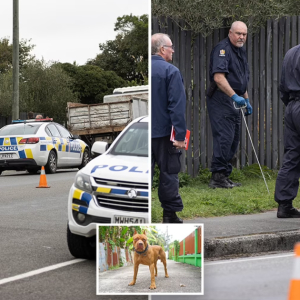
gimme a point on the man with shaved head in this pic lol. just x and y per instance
(167, 108)
(229, 76)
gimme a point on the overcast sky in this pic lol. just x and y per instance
(67, 30)
(177, 231)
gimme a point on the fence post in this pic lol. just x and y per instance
(196, 245)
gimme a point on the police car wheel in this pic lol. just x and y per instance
(85, 159)
(80, 246)
(51, 165)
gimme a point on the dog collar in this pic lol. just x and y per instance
(138, 252)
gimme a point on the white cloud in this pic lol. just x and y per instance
(68, 30)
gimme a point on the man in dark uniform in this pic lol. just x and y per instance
(229, 76)
(287, 182)
(168, 103)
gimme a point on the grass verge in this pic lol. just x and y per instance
(201, 201)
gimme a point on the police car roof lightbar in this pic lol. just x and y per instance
(33, 120)
(262, 173)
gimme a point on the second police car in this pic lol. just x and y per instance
(30, 144)
(112, 188)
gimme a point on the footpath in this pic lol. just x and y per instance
(183, 278)
(242, 235)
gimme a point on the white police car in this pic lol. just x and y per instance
(30, 144)
(112, 188)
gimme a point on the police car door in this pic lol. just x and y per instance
(73, 155)
(57, 144)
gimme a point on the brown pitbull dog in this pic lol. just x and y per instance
(147, 255)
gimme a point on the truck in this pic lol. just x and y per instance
(104, 121)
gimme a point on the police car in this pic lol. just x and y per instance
(112, 188)
(30, 144)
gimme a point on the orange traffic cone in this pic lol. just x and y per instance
(43, 180)
(295, 282)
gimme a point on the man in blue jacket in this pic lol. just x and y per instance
(168, 103)
(229, 76)
(287, 183)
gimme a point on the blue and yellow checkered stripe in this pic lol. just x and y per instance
(10, 141)
(14, 141)
(83, 196)
(62, 145)
(118, 191)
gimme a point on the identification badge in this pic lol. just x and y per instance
(222, 53)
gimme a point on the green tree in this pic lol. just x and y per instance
(6, 54)
(6, 89)
(203, 16)
(127, 55)
(47, 89)
(91, 83)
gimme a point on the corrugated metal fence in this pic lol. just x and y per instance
(265, 51)
(190, 251)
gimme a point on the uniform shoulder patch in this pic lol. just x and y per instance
(222, 52)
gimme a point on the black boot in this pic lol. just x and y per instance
(233, 183)
(171, 217)
(219, 180)
(286, 210)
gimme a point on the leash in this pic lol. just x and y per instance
(241, 107)
(138, 252)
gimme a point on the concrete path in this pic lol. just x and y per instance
(183, 278)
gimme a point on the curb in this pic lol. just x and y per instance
(249, 244)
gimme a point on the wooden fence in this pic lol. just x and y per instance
(265, 51)
(108, 257)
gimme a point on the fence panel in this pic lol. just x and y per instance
(265, 52)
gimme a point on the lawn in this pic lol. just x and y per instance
(201, 201)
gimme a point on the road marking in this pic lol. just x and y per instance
(245, 259)
(39, 271)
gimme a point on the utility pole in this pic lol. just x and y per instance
(15, 102)
(167, 240)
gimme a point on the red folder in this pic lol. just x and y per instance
(187, 137)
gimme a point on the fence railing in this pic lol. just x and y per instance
(190, 249)
(265, 52)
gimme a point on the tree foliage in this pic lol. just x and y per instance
(46, 88)
(203, 16)
(6, 90)
(6, 54)
(91, 83)
(127, 54)
(43, 88)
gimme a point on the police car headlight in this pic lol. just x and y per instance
(82, 182)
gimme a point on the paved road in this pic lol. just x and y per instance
(183, 278)
(33, 237)
(255, 278)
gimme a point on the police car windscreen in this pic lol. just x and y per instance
(17, 129)
(134, 141)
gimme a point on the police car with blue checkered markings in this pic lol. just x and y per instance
(30, 144)
(112, 188)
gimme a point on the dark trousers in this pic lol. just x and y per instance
(225, 124)
(168, 160)
(287, 182)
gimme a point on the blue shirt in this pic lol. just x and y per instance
(168, 99)
(290, 75)
(231, 60)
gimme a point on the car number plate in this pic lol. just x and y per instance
(128, 220)
(7, 156)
